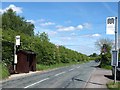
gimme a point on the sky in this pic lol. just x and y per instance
(75, 25)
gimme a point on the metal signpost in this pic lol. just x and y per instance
(116, 45)
(17, 43)
(112, 28)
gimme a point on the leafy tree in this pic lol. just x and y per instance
(10, 20)
(105, 46)
(44, 36)
(102, 42)
(93, 55)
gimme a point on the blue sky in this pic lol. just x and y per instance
(74, 25)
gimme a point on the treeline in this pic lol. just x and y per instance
(47, 52)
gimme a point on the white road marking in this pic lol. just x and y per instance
(36, 82)
(78, 67)
(59, 73)
(71, 69)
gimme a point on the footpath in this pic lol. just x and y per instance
(99, 78)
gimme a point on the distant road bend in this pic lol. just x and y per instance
(75, 76)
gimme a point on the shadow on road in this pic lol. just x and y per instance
(89, 82)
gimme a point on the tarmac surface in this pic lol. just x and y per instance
(86, 75)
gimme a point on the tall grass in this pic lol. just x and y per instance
(4, 73)
(46, 67)
(113, 86)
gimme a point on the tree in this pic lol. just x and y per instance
(104, 42)
(93, 55)
(44, 37)
(104, 45)
(10, 20)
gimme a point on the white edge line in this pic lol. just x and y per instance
(59, 73)
(36, 82)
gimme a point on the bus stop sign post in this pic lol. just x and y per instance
(112, 28)
(17, 43)
(116, 45)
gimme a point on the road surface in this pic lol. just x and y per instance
(75, 76)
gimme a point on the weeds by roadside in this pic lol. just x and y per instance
(4, 73)
(46, 67)
(113, 86)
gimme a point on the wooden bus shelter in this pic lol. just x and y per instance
(26, 61)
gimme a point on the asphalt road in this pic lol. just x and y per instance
(75, 76)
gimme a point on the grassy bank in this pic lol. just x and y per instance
(44, 67)
(113, 86)
(108, 67)
(4, 73)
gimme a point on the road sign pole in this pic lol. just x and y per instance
(17, 43)
(14, 56)
(116, 45)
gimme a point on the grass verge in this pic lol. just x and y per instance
(4, 73)
(113, 86)
(46, 67)
(108, 67)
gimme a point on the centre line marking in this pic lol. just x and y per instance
(36, 82)
(59, 73)
(71, 69)
(78, 67)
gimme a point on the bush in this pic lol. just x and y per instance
(105, 61)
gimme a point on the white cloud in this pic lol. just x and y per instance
(79, 27)
(96, 35)
(47, 24)
(13, 7)
(32, 21)
(51, 33)
(69, 28)
(87, 25)
(73, 34)
(91, 35)
(42, 20)
(66, 38)
(72, 28)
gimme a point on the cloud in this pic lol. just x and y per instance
(96, 35)
(91, 35)
(13, 7)
(66, 38)
(69, 28)
(72, 28)
(47, 24)
(73, 34)
(51, 33)
(32, 21)
(87, 25)
(41, 20)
